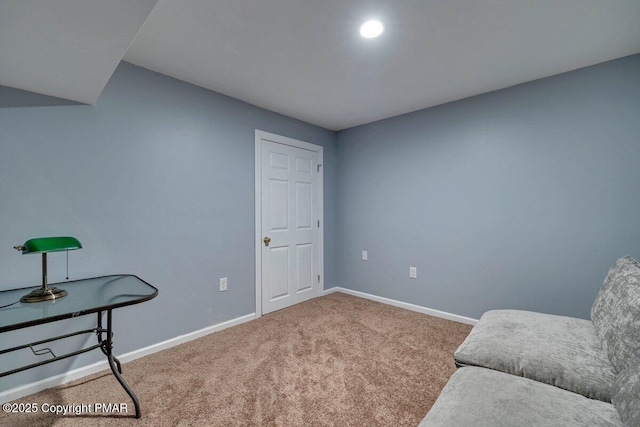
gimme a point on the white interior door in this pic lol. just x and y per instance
(290, 224)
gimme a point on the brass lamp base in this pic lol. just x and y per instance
(43, 294)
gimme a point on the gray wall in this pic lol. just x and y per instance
(156, 179)
(519, 198)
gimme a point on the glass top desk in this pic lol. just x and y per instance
(86, 296)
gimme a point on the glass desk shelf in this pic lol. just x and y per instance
(85, 296)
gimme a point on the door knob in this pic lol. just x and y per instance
(266, 241)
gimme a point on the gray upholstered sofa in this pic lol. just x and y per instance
(522, 368)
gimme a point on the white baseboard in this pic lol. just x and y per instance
(405, 305)
(25, 390)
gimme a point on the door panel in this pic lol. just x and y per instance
(289, 219)
(304, 264)
(279, 268)
(304, 206)
(278, 202)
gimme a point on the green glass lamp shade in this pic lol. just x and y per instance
(43, 245)
(49, 244)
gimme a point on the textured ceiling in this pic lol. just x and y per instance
(305, 58)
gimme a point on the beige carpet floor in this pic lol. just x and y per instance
(336, 360)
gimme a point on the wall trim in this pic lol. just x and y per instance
(405, 305)
(27, 389)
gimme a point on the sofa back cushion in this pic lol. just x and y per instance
(626, 395)
(616, 314)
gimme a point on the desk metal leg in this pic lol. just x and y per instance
(103, 342)
(114, 364)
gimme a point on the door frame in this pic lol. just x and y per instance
(262, 135)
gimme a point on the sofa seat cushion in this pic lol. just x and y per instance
(482, 397)
(561, 351)
(616, 314)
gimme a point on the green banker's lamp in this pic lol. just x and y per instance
(43, 245)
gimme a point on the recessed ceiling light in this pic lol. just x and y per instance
(371, 29)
